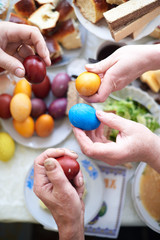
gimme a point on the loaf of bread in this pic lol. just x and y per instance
(25, 8)
(65, 10)
(92, 10)
(67, 33)
(4, 4)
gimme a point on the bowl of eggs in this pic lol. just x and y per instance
(146, 195)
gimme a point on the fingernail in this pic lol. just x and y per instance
(73, 151)
(19, 72)
(90, 66)
(99, 113)
(80, 195)
(49, 164)
(81, 182)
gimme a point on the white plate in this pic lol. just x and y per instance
(93, 199)
(101, 30)
(61, 131)
(141, 211)
(138, 95)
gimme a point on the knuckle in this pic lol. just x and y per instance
(34, 28)
(101, 98)
(87, 150)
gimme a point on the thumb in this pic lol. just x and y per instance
(55, 173)
(112, 120)
(99, 67)
(11, 64)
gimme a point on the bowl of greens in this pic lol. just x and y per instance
(133, 104)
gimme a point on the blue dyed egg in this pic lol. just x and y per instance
(83, 116)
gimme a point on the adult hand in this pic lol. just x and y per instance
(16, 42)
(62, 199)
(134, 142)
(122, 67)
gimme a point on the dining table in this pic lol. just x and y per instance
(13, 173)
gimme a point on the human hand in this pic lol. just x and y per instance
(122, 67)
(62, 199)
(16, 43)
(134, 143)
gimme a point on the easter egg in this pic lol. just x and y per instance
(83, 116)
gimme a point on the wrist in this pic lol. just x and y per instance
(153, 57)
(71, 231)
(153, 158)
(70, 228)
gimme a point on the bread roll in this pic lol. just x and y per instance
(17, 19)
(65, 10)
(67, 33)
(92, 10)
(44, 17)
(25, 8)
(54, 49)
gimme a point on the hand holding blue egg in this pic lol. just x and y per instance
(83, 116)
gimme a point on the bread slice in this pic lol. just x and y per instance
(25, 8)
(155, 33)
(44, 17)
(4, 4)
(67, 33)
(150, 79)
(92, 10)
(157, 75)
(65, 10)
(17, 19)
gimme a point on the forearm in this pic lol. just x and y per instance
(151, 57)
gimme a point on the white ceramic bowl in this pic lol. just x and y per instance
(140, 209)
(137, 95)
